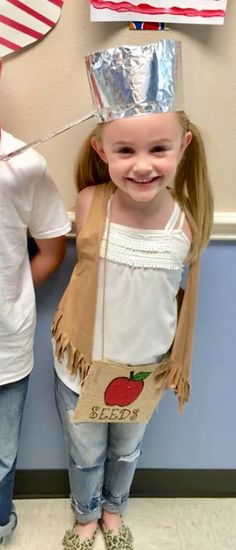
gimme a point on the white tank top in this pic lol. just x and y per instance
(144, 270)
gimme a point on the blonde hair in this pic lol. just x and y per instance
(191, 189)
(90, 168)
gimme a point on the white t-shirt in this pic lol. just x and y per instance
(144, 269)
(30, 201)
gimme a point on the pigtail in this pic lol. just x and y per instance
(90, 168)
(193, 191)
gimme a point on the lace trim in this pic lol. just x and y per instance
(141, 237)
(139, 246)
(148, 264)
(126, 249)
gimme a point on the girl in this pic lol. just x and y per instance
(144, 206)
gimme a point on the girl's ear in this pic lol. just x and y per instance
(185, 143)
(97, 146)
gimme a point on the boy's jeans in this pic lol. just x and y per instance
(12, 398)
(102, 459)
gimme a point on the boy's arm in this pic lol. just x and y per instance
(48, 257)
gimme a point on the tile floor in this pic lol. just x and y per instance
(157, 524)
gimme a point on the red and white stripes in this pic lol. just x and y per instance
(168, 11)
(25, 21)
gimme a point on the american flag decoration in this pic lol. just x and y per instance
(23, 22)
(147, 26)
(211, 12)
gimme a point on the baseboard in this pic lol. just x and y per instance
(147, 483)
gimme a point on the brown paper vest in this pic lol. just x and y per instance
(114, 392)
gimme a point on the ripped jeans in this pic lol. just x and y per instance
(102, 459)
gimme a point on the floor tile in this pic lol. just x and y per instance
(157, 524)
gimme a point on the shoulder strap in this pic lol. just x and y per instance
(181, 221)
(173, 218)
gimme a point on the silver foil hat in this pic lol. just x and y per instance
(135, 80)
(128, 81)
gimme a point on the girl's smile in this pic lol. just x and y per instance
(146, 181)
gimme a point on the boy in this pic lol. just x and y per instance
(29, 202)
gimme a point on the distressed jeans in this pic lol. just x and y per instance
(102, 459)
(12, 399)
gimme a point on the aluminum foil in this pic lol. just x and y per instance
(135, 80)
(129, 81)
(20, 150)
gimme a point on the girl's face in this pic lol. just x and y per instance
(142, 153)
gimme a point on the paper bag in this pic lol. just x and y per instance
(113, 392)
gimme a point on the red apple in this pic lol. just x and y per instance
(123, 391)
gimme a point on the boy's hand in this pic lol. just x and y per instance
(48, 257)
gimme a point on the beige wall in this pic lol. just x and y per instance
(45, 87)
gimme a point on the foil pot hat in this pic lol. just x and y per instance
(128, 81)
(136, 80)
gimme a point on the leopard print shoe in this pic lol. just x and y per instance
(71, 541)
(118, 540)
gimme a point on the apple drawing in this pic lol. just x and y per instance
(123, 391)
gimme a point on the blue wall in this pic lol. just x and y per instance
(204, 437)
